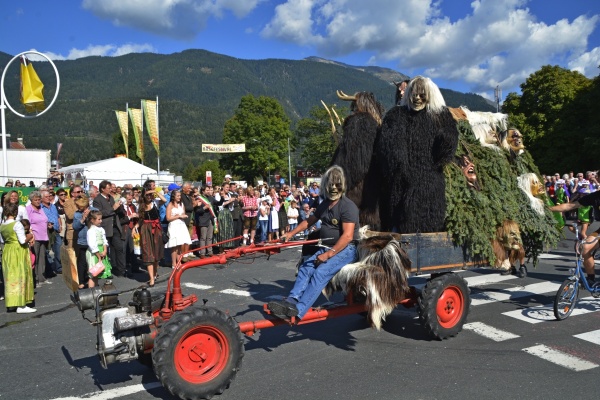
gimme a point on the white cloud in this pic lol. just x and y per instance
(497, 42)
(181, 19)
(107, 50)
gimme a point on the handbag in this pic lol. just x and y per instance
(97, 269)
(165, 236)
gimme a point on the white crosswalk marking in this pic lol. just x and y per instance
(236, 292)
(478, 299)
(593, 336)
(489, 332)
(197, 286)
(560, 358)
(537, 314)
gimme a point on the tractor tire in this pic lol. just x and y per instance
(198, 352)
(444, 305)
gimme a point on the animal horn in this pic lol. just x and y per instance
(336, 116)
(344, 96)
(330, 117)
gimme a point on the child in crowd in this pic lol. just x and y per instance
(292, 214)
(97, 247)
(27, 226)
(263, 219)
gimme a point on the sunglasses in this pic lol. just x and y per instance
(76, 191)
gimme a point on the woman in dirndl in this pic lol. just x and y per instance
(225, 218)
(151, 238)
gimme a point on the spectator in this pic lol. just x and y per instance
(9, 183)
(282, 214)
(292, 215)
(112, 211)
(313, 193)
(263, 220)
(250, 208)
(236, 214)
(225, 218)
(188, 205)
(39, 228)
(69, 209)
(178, 227)
(13, 197)
(275, 205)
(97, 247)
(205, 219)
(16, 263)
(129, 222)
(151, 240)
(80, 237)
(31, 184)
(54, 228)
(304, 213)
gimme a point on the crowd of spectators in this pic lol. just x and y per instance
(134, 229)
(568, 188)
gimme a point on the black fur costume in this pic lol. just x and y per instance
(355, 155)
(412, 150)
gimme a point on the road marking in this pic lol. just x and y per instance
(593, 336)
(490, 332)
(477, 280)
(559, 358)
(197, 286)
(537, 314)
(115, 393)
(513, 293)
(244, 293)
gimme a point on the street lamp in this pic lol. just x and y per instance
(289, 163)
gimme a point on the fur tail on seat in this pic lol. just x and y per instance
(381, 275)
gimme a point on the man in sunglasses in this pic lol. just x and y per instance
(70, 208)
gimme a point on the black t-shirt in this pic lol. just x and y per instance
(332, 219)
(592, 199)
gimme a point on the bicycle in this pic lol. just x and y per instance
(568, 293)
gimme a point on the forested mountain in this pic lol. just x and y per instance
(197, 90)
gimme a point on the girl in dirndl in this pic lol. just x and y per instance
(97, 248)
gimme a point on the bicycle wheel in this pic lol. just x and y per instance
(565, 299)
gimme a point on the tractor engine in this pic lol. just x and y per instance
(124, 333)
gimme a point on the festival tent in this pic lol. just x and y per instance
(119, 170)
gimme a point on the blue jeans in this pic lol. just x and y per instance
(56, 264)
(312, 278)
(263, 227)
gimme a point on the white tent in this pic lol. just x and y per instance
(119, 170)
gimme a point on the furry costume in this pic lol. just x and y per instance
(380, 275)
(355, 154)
(508, 248)
(413, 148)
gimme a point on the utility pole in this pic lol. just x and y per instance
(498, 95)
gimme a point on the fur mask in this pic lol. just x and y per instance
(515, 140)
(334, 183)
(509, 235)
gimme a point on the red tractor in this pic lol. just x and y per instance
(197, 350)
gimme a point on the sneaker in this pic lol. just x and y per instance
(46, 282)
(522, 271)
(25, 310)
(1, 297)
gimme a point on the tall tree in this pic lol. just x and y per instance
(260, 123)
(540, 109)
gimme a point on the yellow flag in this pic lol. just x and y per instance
(32, 88)
(151, 119)
(124, 126)
(136, 121)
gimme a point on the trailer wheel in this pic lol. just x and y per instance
(198, 352)
(444, 305)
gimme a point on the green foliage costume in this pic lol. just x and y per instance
(472, 216)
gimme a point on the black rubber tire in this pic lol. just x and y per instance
(209, 347)
(444, 305)
(566, 298)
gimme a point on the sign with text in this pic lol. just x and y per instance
(224, 148)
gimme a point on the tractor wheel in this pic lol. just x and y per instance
(198, 352)
(444, 305)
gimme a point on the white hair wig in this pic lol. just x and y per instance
(435, 100)
(486, 126)
(525, 182)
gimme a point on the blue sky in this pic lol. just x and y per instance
(465, 45)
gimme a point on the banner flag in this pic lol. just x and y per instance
(124, 126)
(32, 88)
(224, 148)
(58, 148)
(136, 121)
(151, 118)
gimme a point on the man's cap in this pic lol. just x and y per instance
(227, 176)
(173, 186)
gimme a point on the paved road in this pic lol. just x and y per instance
(511, 347)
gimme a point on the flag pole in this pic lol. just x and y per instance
(142, 130)
(158, 137)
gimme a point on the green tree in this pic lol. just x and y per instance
(260, 123)
(541, 108)
(316, 138)
(217, 173)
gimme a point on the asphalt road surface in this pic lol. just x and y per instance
(510, 348)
